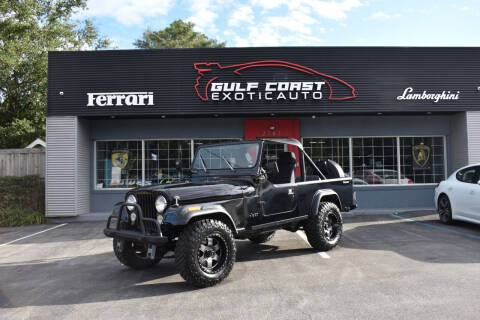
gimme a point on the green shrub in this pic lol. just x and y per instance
(22, 200)
(15, 217)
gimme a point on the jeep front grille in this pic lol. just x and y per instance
(146, 200)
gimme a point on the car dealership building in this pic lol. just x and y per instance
(398, 120)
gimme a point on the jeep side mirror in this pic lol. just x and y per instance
(261, 176)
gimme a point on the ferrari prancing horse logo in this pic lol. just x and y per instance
(421, 155)
(120, 159)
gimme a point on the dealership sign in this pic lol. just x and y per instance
(211, 84)
(120, 99)
(410, 94)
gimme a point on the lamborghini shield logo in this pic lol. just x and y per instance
(120, 159)
(421, 155)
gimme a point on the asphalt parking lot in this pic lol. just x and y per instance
(401, 266)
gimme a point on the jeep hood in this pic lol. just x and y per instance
(190, 192)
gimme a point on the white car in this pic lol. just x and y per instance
(458, 197)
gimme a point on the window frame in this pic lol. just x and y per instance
(95, 163)
(350, 144)
(163, 139)
(445, 160)
(350, 148)
(142, 141)
(398, 154)
(397, 139)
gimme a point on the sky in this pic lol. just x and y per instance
(295, 23)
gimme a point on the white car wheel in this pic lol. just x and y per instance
(444, 209)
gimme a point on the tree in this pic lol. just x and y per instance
(178, 34)
(28, 30)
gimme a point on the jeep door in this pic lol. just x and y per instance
(277, 193)
(277, 199)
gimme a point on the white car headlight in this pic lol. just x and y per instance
(131, 199)
(160, 204)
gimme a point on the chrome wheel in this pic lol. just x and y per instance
(211, 254)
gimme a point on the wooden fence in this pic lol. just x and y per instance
(21, 162)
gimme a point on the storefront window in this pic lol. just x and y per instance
(374, 161)
(165, 160)
(335, 149)
(118, 164)
(422, 159)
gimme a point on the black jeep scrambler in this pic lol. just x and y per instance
(239, 190)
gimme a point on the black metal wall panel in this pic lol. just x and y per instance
(378, 74)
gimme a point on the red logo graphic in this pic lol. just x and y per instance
(203, 68)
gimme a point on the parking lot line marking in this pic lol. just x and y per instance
(425, 224)
(302, 235)
(33, 234)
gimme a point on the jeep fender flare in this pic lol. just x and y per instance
(322, 194)
(183, 217)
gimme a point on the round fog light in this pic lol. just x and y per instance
(133, 217)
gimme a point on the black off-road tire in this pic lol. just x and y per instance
(131, 257)
(315, 227)
(262, 237)
(444, 210)
(199, 242)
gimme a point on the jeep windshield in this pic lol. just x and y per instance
(226, 157)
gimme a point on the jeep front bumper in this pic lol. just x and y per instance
(142, 236)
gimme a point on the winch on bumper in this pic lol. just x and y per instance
(143, 235)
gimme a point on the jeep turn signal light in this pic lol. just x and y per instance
(193, 209)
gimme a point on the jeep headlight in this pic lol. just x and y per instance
(160, 204)
(131, 199)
